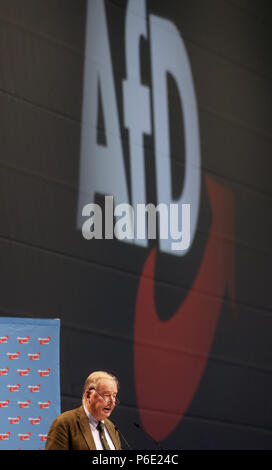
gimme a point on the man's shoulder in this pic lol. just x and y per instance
(63, 429)
(69, 415)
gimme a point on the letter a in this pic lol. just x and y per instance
(101, 167)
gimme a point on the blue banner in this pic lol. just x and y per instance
(29, 381)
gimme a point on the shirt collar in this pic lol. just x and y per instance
(93, 422)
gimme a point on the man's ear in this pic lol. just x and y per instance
(88, 392)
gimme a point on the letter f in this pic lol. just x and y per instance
(137, 113)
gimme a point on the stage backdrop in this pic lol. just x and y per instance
(29, 381)
(147, 101)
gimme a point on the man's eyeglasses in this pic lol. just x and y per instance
(107, 397)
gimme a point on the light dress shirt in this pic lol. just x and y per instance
(96, 436)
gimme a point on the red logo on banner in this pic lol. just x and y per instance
(13, 388)
(4, 404)
(35, 420)
(44, 373)
(23, 340)
(24, 437)
(34, 388)
(13, 355)
(34, 357)
(24, 404)
(44, 404)
(3, 339)
(43, 437)
(44, 340)
(23, 372)
(14, 420)
(4, 371)
(4, 436)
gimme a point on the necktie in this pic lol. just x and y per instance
(100, 428)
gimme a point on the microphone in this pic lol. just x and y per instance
(123, 437)
(142, 429)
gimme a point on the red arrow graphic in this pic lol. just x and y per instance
(170, 356)
(24, 437)
(3, 339)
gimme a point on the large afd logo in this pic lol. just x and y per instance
(174, 351)
(102, 168)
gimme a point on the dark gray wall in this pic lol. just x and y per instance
(47, 269)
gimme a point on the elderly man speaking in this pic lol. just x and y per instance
(88, 427)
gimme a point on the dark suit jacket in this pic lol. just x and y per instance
(71, 431)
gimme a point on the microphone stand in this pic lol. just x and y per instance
(155, 442)
(123, 437)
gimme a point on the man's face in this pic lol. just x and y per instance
(99, 407)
